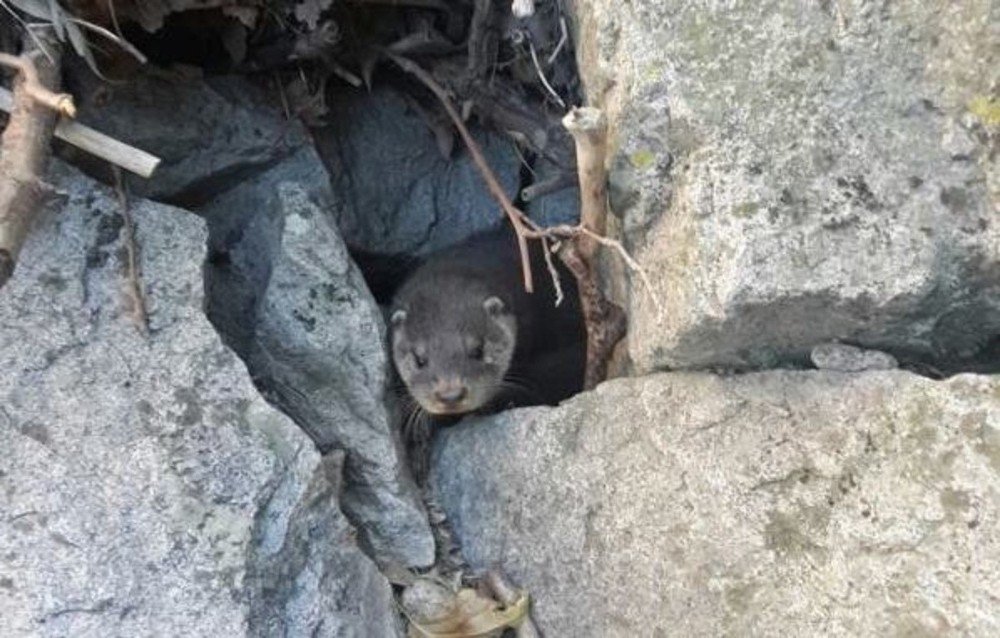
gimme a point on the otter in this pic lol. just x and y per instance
(467, 338)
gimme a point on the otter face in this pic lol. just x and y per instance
(454, 362)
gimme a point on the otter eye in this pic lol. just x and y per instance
(419, 360)
(476, 352)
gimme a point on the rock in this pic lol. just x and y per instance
(790, 174)
(841, 357)
(395, 192)
(286, 296)
(775, 503)
(143, 480)
(210, 133)
(296, 576)
(559, 207)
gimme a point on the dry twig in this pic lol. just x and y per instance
(133, 283)
(518, 219)
(26, 148)
(589, 129)
(32, 87)
(605, 322)
(504, 592)
(96, 143)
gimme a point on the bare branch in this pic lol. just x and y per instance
(589, 129)
(26, 148)
(133, 282)
(61, 103)
(504, 592)
(518, 219)
(96, 143)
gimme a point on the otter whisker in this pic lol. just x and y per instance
(416, 427)
(522, 389)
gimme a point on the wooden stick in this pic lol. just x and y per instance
(604, 320)
(96, 143)
(589, 129)
(504, 592)
(133, 282)
(34, 88)
(25, 145)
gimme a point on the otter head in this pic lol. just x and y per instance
(453, 362)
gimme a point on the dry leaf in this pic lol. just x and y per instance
(308, 104)
(472, 616)
(234, 39)
(308, 11)
(246, 15)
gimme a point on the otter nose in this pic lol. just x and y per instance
(450, 394)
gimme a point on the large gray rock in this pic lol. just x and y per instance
(143, 481)
(792, 173)
(769, 504)
(395, 192)
(307, 577)
(210, 133)
(288, 299)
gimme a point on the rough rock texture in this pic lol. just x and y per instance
(288, 299)
(844, 358)
(299, 587)
(769, 504)
(790, 173)
(210, 133)
(395, 192)
(142, 479)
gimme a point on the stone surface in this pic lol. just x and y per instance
(790, 174)
(285, 294)
(209, 133)
(395, 192)
(303, 582)
(844, 358)
(143, 480)
(767, 504)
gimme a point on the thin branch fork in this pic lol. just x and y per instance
(26, 147)
(605, 322)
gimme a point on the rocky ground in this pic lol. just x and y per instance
(788, 176)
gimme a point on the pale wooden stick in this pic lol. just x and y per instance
(589, 129)
(96, 143)
(33, 87)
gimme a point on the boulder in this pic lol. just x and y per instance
(394, 190)
(789, 174)
(144, 483)
(767, 504)
(287, 297)
(210, 133)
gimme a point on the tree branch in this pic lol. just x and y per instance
(26, 147)
(605, 321)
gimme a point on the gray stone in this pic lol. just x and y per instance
(768, 504)
(844, 358)
(288, 299)
(395, 192)
(210, 133)
(559, 207)
(791, 173)
(143, 480)
(309, 579)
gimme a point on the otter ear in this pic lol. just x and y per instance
(494, 306)
(397, 317)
